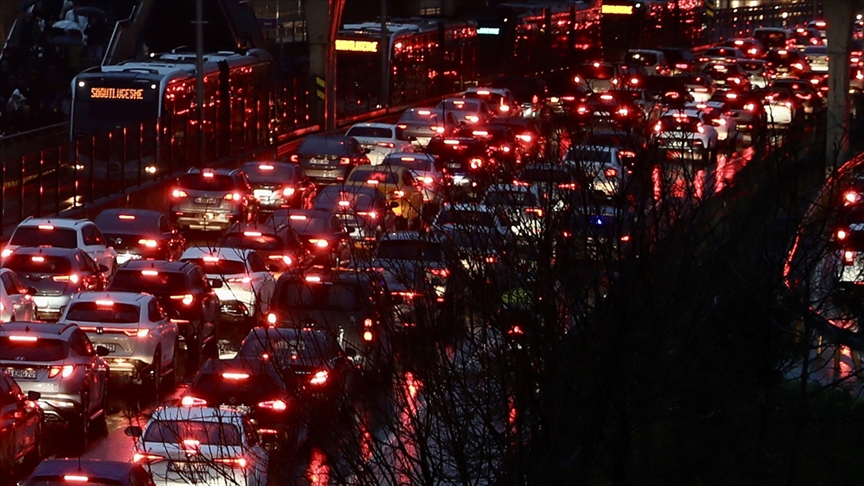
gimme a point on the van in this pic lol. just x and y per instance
(775, 37)
(651, 60)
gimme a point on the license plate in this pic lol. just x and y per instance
(262, 193)
(206, 200)
(111, 346)
(318, 161)
(454, 165)
(185, 467)
(22, 374)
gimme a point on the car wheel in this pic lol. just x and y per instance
(35, 456)
(79, 427)
(151, 381)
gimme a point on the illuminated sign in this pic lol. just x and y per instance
(116, 93)
(617, 9)
(356, 46)
(488, 31)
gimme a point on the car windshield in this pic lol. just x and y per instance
(149, 280)
(101, 311)
(178, 431)
(370, 132)
(219, 266)
(323, 295)
(264, 173)
(202, 182)
(427, 251)
(34, 236)
(641, 58)
(26, 348)
(286, 346)
(253, 240)
(29, 263)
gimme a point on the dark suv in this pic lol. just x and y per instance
(186, 295)
(348, 304)
(329, 158)
(212, 199)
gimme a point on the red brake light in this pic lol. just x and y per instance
(240, 462)
(190, 401)
(344, 160)
(841, 234)
(148, 243)
(275, 405)
(64, 371)
(144, 457)
(319, 378)
(66, 278)
(76, 478)
(295, 158)
(610, 173)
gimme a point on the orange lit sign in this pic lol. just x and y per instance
(617, 9)
(116, 93)
(356, 46)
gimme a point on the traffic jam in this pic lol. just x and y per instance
(279, 306)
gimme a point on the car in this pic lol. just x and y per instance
(141, 340)
(750, 46)
(212, 199)
(597, 232)
(206, 445)
(322, 374)
(632, 146)
(467, 110)
(346, 304)
(786, 62)
(757, 71)
(608, 109)
(279, 246)
(559, 184)
(501, 142)
(21, 427)
(700, 86)
(806, 95)
(140, 234)
(746, 108)
(530, 92)
(380, 139)
(420, 125)
(55, 275)
(322, 233)
(16, 302)
(363, 209)
(849, 256)
(688, 133)
(399, 187)
(247, 284)
(653, 61)
(475, 217)
(279, 185)
(466, 165)
(728, 74)
(259, 385)
(680, 59)
(601, 169)
(718, 54)
(807, 36)
(500, 100)
(529, 136)
(719, 115)
(70, 374)
(424, 168)
(64, 233)
(775, 37)
(817, 57)
(77, 470)
(781, 107)
(520, 206)
(852, 193)
(480, 257)
(328, 158)
(187, 296)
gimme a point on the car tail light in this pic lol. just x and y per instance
(141, 333)
(537, 211)
(367, 336)
(610, 173)
(179, 193)
(145, 457)
(74, 278)
(398, 193)
(582, 109)
(437, 129)
(504, 108)
(472, 118)
(720, 122)
(233, 196)
(344, 160)
(475, 163)
(848, 257)
(295, 158)
(700, 128)
(240, 462)
(185, 299)
(567, 185)
(6, 252)
(700, 90)
(623, 111)
(525, 137)
(190, 401)
(658, 127)
(370, 214)
(24, 339)
(427, 180)
(287, 260)
(681, 66)
(440, 272)
(402, 126)
(319, 378)
(627, 153)
(851, 197)
(750, 106)
(76, 478)
(64, 371)
(386, 144)
(625, 238)
(271, 319)
(490, 259)
(148, 243)
(841, 234)
(288, 191)
(240, 280)
(320, 243)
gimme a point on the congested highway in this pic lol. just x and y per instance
(388, 304)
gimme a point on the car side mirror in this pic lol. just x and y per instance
(216, 283)
(394, 204)
(102, 351)
(33, 395)
(103, 268)
(273, 268)
(110, 241)
(350, 352)
(32, 290)
(133, 431)
(367, 150)
(268, 437)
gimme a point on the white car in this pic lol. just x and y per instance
(721, 120)
(779, 108)
(379, 139)
(141, 339)
(467, 111)
(500, 100)
(247, 281)
(601, 168)
(16, 303)
(200, 445)
(64, 233)
(425, 171)
(688, 132)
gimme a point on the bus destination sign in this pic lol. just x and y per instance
(99, 93)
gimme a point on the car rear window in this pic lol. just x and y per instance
(61, 481)
(176, 431)
(149, 280)
(262, 173)
(510, 198)
(467, 217)
(601, 71)
(370, 132)
(127, 223)
(586, 154)
(221, 266)
(198, 182)
(289, 346)
(236, 391)
(323, 296)
(29, 263)
(426, 251)
(641, 58)
(34, 236)
(254, 242)
(42, 349)
(379, 176)
(421, 115)
(99, 311)
(544, 175)
(329, 145)
(413, 163)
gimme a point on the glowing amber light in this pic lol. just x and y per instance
(617, 9)
(116, 93)
(356, 46)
